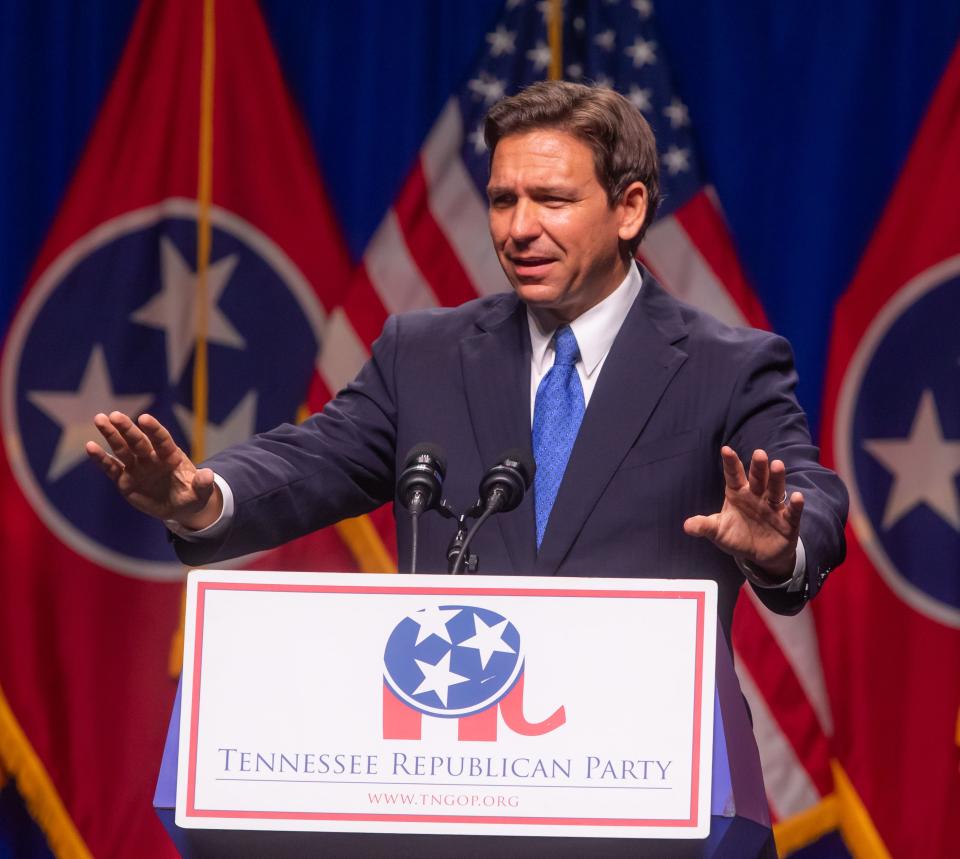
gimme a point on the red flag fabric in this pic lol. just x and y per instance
(109, 320)
(889, 626)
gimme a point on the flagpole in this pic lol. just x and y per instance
(555, 35)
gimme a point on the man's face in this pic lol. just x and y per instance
(557, 237)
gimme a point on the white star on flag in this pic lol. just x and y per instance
(174, 309)
(640, 97)
(433, 621)
(438, 678)
(476, 138)
(501, 41)
(487, 640)
(487, 87)
(677, 113)
(540, 56)
(237, 426)
(74, 411)
(575, 71)
(644, 8)
(924, 466)
(643, 52)
(676, 160)
(606, 40)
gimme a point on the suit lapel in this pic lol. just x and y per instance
(638, 369)
(496, 374)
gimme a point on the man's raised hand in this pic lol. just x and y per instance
(152, 473)
(757, 522)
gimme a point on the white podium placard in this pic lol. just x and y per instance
(436, 704)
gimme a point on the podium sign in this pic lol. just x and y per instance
(458, 705)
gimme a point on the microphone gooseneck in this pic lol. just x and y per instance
(501, 489)
(419, 486)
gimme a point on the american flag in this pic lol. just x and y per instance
(433, 249)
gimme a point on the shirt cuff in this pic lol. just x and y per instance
(795, 583)
(217, 528)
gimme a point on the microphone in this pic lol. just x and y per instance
(419, 486)
(503, 486)
(419, 483)
(501, 489)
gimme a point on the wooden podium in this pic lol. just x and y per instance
(364, 715)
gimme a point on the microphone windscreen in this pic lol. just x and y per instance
(522, 461)
(427, 449)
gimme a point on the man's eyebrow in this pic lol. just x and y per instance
(536, 191)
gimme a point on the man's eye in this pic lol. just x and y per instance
(502, 201)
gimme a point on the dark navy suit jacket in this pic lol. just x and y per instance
(675, 387)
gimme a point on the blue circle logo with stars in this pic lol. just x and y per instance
(111, 325)
(898, 442)
(452, 660)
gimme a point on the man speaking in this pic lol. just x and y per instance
(666, 443)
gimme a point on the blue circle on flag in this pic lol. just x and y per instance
(453, 660)
(905, 443)
(112, 329)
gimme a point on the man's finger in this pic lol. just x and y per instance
(110, 465)
(135, 439)
(702, 526)
(732, 469)
(113, 438)
(777, 485)
(759, 472)
(794, 510)
(159, 436)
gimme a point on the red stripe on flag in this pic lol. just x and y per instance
(784, 695)
(363, 307)
(708, 231)
(428, 244)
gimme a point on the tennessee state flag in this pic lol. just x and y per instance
(889, 624)
(189, 273)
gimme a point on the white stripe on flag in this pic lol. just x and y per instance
(393, 273)
(675, 258)
(457, 208)
(797, 638)
(342, 354)
(789, 788)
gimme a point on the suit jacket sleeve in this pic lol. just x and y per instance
(295, 479)
(763, 413)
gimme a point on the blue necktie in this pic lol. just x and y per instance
(557, 414)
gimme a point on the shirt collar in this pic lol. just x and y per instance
(595, 330)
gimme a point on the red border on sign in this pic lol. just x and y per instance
(203, 587)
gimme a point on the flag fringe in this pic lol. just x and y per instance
(859, 833)
(364, 543)
(794, 833)
(20, 761)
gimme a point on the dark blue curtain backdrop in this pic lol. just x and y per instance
(804, 114)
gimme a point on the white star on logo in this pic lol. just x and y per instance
(74, 411)
(677, 113)
(924, 466)
(501, 41)
(174, 309)
(438, 678)
(676, 160)
(540, 56)
(488, 640)
(640, 97)
(642, 52)
(433, 621)
(237, 426)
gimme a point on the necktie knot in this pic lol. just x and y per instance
(565, 346)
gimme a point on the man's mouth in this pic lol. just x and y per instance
(531, 266)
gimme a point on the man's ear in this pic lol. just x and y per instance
(632, 210)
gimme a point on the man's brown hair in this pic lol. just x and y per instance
(624, 149)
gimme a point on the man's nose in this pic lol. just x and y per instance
(525, 223)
